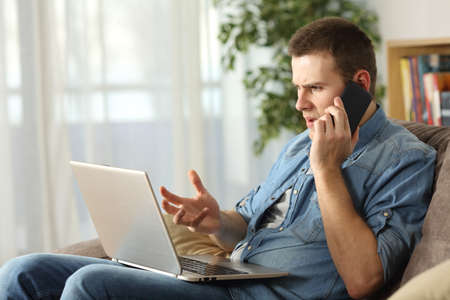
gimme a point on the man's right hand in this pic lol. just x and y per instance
(200, 213)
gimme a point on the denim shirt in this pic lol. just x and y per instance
(389, 176)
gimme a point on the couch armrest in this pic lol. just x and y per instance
(91, 248)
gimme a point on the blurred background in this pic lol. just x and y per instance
(135, 84)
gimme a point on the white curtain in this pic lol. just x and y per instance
(133, 84)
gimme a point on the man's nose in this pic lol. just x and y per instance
(302, 101)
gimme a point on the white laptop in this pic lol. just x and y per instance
(131, 228)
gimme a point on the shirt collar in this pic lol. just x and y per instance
(369, 130)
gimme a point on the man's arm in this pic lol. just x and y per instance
(351, 242)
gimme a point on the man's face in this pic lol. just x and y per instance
(318, 82)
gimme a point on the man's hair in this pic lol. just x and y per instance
(351, 49)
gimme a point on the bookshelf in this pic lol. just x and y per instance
(397, 49)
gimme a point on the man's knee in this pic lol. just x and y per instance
(87, 283)
(17, 267)
(16, 274)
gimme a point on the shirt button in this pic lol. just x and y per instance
(249, 248)
(302, 170)
(386, 214)
(281, 229)
(295, 192)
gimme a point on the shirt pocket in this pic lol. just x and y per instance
(308, 228)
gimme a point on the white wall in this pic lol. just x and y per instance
(410, 19)
(413, 18)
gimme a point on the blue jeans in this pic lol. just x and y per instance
(55, 276)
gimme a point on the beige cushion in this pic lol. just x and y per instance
(91, 248)
(187, 242)
(433, 284)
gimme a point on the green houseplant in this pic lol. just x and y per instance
(270, 24)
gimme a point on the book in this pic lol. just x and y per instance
(417, 101)
(439, 62)
(423, 66)
(445, 108)
(434, 84)
(418, 107)
(407, 88)
(430, 63)
(436, 108)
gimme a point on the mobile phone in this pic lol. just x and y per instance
(356, 100)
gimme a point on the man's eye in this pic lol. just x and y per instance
(315, 88)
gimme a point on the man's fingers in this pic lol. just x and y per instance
(339, 103)
(319, 128)
(329, 126)
(339, 114)
(178, 218)
(199, 218)
(171, 210)
(169, 196)
(196, 181)
(180, 214)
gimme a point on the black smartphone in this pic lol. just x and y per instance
(356, 100)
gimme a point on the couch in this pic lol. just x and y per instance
(433, 249)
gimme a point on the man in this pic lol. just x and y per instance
(340, 213)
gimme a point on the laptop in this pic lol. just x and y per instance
(131, 228)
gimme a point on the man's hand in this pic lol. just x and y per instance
(200, 213)
(332, 142)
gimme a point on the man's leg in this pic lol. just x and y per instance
(40, 276)
(118, 282)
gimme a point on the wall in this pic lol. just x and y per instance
(413, 18)
(410, 19)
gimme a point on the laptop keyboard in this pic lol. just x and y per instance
(206, 269)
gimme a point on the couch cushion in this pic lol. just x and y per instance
(433, 284)
(187, 242)
(91, 248)
(435, 136)
(434, 247)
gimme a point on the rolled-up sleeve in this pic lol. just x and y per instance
(397, 206)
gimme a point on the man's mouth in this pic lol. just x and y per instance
(309, 122)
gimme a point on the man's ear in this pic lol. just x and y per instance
(362, 77)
